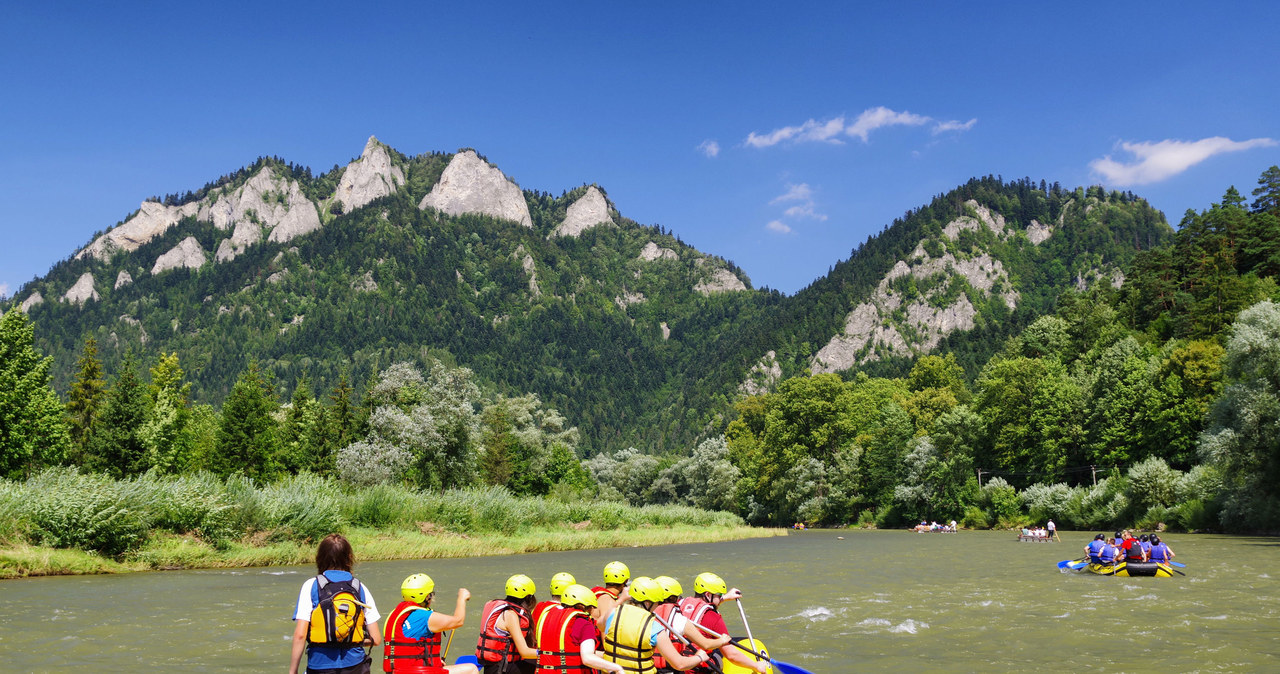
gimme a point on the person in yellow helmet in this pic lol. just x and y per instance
(558, 583)
(633, 634)
(710, 591)
(412, 639)
(566, 635)
(505, 626)
(616, 575)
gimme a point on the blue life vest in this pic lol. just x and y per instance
(1160, 553)
(1095, 548)
(1108, 554)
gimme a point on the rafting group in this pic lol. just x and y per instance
(625, 625)
(1126, 555)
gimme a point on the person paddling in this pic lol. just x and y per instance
(668, 610)
(413, 630)
(633, 634)
(616, 575)
(566, 635)
(1160, 551)
(504, 630)
(1094, 549)
(710, 591)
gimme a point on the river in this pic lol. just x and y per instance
(829, 601)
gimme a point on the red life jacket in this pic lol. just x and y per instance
(555, 653)
(694, 608)
(493, 647)
(601, 591)
(404, 655)
(537, 611)
(668, 612)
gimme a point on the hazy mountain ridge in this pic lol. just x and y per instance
(636, 337)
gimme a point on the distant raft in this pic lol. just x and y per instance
(1132, 569)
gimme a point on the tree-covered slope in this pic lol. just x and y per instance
(637, 338)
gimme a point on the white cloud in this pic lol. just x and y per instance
(953, 125)
(1167, 158)
(778, 226)
(877, 118)
(801, 192)
(870, 120)
(709, 147)
(805, 211)
(810, 131)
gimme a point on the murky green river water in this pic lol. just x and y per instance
(880, 601)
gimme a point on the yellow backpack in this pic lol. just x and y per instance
(338, 617)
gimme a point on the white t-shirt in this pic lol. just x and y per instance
(303, 611)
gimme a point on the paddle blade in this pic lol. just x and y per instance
(1064, 563)
(467, 660)
(787, 668)
(1180, 565)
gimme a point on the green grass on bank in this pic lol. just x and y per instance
(64, 522)
(169, 552)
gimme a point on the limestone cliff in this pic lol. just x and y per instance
(470, 185)
(371, 176)
(590, 210)
(721, 281)
(893, 323)
(652, 251)
(266, 203)
(32, 300)
(152, 220)
(188, 253)
(82, 291)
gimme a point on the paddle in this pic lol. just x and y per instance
(745, 624)
(448, 642)
(784, 667)
(1180, 565)
(1070, 562)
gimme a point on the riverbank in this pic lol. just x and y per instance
(171, 552)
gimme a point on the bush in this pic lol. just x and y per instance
(195, 504)
(69, 510)
(975, 518)
(304, 507)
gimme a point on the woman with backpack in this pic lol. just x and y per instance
(336, 617)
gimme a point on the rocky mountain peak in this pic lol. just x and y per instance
(470, 185)
(371, 176)
(590, 210)
(152, 220)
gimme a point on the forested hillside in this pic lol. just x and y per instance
(639, 340)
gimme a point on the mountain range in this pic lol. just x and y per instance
(639, 339)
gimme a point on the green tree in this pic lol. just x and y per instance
(1031, 413)
(248, 438)
(1244, 437)
(117, 448)
(1268, 191)
(33, 425)
(165, 432)
(85, 397)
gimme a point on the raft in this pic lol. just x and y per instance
(1132, 569)
(1036, 539)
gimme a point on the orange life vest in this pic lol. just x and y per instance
(493, 647)
(694, 608)
(403, 655)
(602, 591)
(555, 654)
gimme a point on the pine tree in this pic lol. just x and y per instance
(1268, 191)
(248, 440)
(85, 398)
(33, 425)
(165, 431)
(116, 448)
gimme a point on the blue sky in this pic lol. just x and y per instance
(778, 135)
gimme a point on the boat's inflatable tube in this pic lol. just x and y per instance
(1133, 569)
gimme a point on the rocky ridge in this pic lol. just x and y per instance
(891, 323)
(590, 210)
(470, 185)
(82, 291)
(371, 176)
(188, 253)
(152, 220)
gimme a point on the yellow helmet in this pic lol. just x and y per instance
(578, 595)
(520, 586)
(616, 572)
(709, 582)
(645, 589)
(670, 587)
(417, 588)
(560, 581)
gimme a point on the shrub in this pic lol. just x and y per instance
(69, 510)
(304, 507)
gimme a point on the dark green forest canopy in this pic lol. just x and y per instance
(657, 374)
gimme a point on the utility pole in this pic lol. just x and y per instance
(1095, 474)
(979, 477)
